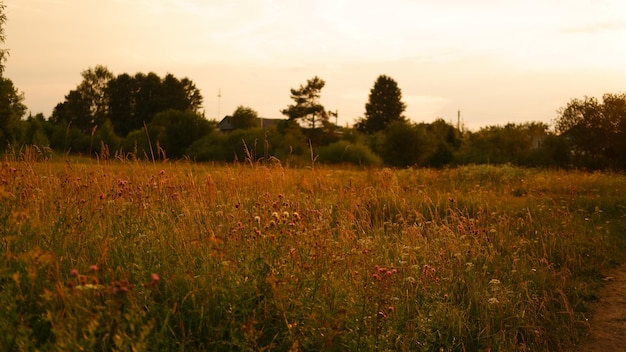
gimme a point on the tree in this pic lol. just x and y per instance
(244, 117)
(176, 130)
(73, 111)
(122, 104)
(405, 144)
(307, 107)
(93, 91)
(3, 52)
(11, 107)
(597, 130)
(86, 106)
(383, 107)
(11, 111)
(127, 101)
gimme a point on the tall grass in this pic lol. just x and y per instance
(181, 256)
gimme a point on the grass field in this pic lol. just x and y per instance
(182, 256)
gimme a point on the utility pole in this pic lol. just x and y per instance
(458, 120)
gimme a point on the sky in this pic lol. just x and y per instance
(497, 61)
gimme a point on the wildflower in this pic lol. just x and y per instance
(155, 278)
(257, 219)
(296, 216)
(286, 214)
(93, 267)
(74, 272)
(493, 300)
(411, 280)
(494, 282)
(121, 287)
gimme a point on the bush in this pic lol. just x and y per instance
(344, 152)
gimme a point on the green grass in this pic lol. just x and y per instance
(182, 256)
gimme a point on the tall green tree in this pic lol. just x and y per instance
(307, 107)
(383, 107)
(122, 104)
(93, 90)
(86, 106)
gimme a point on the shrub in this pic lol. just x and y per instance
(344, 152)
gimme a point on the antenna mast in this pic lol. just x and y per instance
(219, 101)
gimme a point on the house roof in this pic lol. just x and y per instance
(227, 124)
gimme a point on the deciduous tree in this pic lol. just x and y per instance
(3, 52)
(11, 111)
(244, 117)
(597, 130)
(11, 107)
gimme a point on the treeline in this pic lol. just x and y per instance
(150, 117)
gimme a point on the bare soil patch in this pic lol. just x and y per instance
(608, 323)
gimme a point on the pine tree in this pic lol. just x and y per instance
(383, 107)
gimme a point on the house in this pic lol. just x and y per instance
(226, 125)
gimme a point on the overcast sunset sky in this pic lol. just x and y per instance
(497, 61)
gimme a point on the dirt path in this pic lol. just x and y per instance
(608, 324)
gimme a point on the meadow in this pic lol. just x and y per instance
(125, 255)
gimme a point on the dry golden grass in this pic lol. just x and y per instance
(119, 255)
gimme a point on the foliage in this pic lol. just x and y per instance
(175, 131)
(408, 144)
(348, 153)
(384, 106)
(11, 111)
(252, 144)
(86, 106)
(3, 52)
(307, 107)
(128, 102)
(244, 117)
(180, 256)
(511, 143)
(597, 130)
